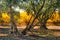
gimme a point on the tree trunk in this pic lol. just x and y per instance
(43, 26)
(28, 27)
(13, 25)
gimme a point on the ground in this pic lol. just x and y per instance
(53, 33)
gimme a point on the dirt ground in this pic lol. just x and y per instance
(55, 30)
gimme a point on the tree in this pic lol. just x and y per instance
(39, 11)
(9, 4)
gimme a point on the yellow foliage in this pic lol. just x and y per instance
(23, 14)
(20, 20)
(24, 17)
(54, 18)
(15, 17)
(49, 20)
(5, 17)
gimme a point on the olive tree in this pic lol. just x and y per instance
(43, 9)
